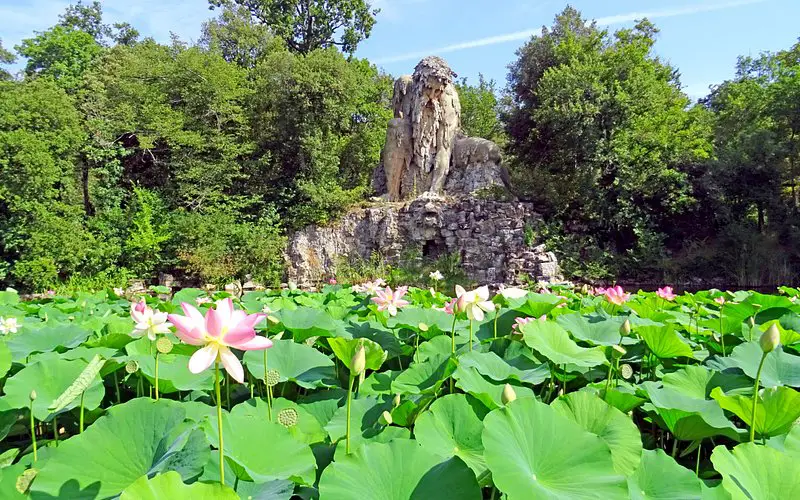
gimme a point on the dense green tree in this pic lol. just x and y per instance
(480, 110)
(600, 134)
(60, 53)
(238, 37)
(307, 25)
(319, 123)
(6, 57)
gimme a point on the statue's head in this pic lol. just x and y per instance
(435, 72)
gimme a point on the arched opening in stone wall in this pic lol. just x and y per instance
(433, 249)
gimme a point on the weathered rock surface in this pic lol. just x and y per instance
(425, 150)
(488, 235)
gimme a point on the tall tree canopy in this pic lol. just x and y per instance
(307, 25)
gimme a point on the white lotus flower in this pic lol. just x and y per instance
(474, 303)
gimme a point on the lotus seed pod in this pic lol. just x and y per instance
(618, 351)
(396, 400)
(359, 362)
(625, 329)
(627, 371)
(423, 327)
(508, 395)
(164, 345)
(385, 418)
(33, 395)
(132, 367)
(287, 417)
(770, 339)
(273, 377)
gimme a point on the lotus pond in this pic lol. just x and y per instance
(369, 393)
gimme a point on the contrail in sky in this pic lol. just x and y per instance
(602, 21)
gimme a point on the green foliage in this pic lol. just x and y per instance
(307, 25)
(6, 57)
(238, 37)
(480, 110)
(412, 269)
(149, 231)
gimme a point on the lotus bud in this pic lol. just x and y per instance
(585, 289)
(396, 400)
(33, 395)
(751, 321)
(359, 362)
(625, 329)
(770, 339)
(164, 345)
(508, 395)
(385, 418)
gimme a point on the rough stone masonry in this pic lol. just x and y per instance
(439, 193)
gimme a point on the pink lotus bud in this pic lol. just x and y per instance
(140, 307)
(770, 339)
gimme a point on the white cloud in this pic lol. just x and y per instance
(526, 34)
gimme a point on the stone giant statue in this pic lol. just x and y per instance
(424, 142)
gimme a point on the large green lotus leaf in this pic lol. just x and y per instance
(45, 339)
(399, 470)
(496, 368)
(535, 452)
(664, 341)
(378, 383)
(9, 297)
(307, 429)
(611, 425)
(376, 332)
(273, 490)
(754, 472)
(437, 322)
(792, 442)
(553, 342)
(692, 381)
(173, 373)
(424, 377)
(190, 296)
(8, 481)
(265, 450)
(777, 409)
(597, 329)
(5, 359)
(537, 304)
(50, 378)
(487, 391)
(364, 415)
(299, 363)
(452, 426)
(659, 477)
(306, 322)
(689, 418)
(170, 485)
(780, 368)
(140, 437)
(345, 349)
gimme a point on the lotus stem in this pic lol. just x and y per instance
(470, 335)
(81, 414)
(755, 397)
(453, 349)
(608, 380)
(722, 333)
(697, 462)
(349, 399)
(228, 390)
(55, 429)
(219, 423)
(157, 353)
(266, 383)
(496, 314)
(33, 435)
(116, 387)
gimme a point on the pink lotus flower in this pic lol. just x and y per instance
(202, 300)
(474, 303)
(520, 322)
(563, 303)
(370, 287)
(666, 293)
(720, 300)
(389, 300)
(449, 307)
(599, 291)
(148, 321)
(616, 295)
(221, 329)
(332, 281)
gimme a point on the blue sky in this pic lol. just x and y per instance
(702, 38)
